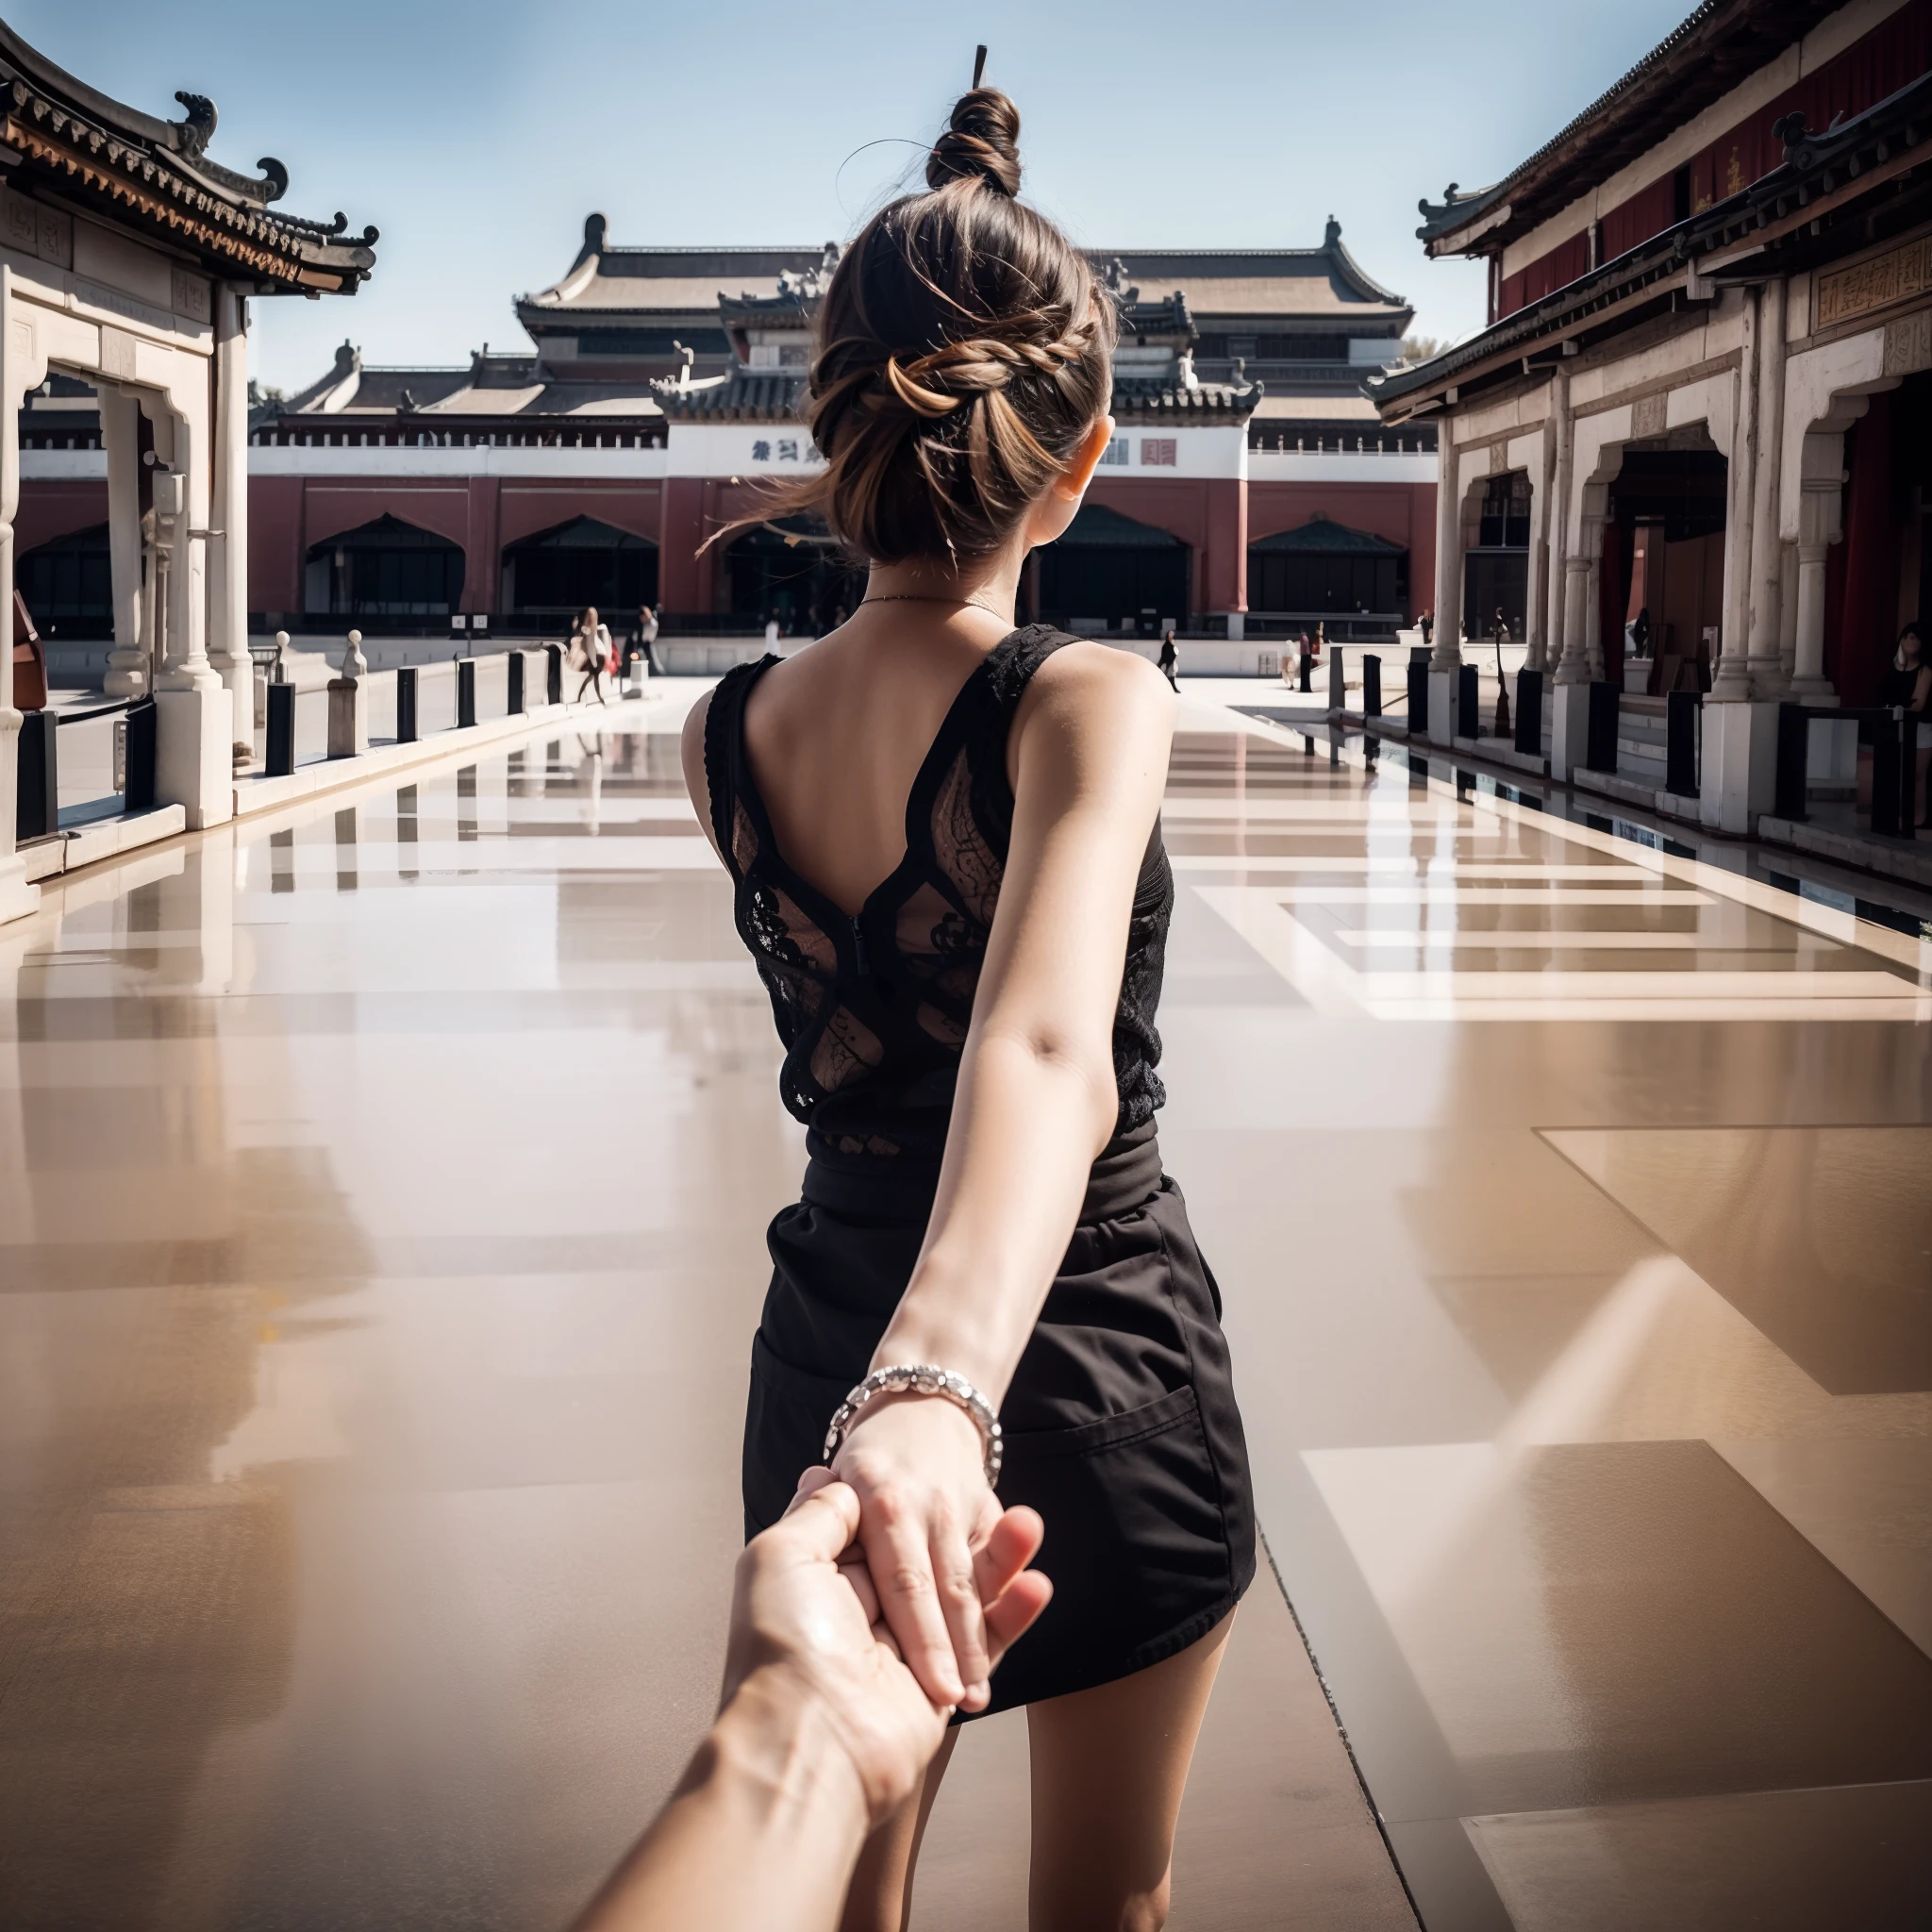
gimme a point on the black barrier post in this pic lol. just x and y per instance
(466, 692)
(406, 704)
(1529, 713)
(1600, 741)
(1789, 785)
(1371, 685)
(1338, 688)
(552, 683)
(1885, 775)
(1468, 721)
(514, 667)
(1418, 698)
(1308, 671)
(1682, 710)
(1908, 776)
(282, 730)
(138, 775)
(37, 780)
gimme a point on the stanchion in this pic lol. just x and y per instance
(516, 669)
(1468, 721)
(1371, 685)
(1682, 711)
(37, 778)
(1529, 713)
(466, 692)
(1791, 784)
(1418, 698)
(406, 704)
(281, 732)
(553, 681)
(1600, 730)
(143, 748)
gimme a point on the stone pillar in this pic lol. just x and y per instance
(194, 754)
(1818, 520)
(227, 537)
(1767, 552)
(1730, 682)
(1446, 656)
(1592, 556)
(127, 670)
(1542, 490)
(17, 897)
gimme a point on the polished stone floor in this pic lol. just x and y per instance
(381, 1203)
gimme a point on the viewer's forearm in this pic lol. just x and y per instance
(761, 1836)
(1026, 1126)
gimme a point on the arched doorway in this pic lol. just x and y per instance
(1495, 568)
(794, 569)
(1110, 573)
(385, 569)
(68, 585)
(557, 572)
(1325, 569)
(1663, 557)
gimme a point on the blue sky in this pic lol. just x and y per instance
(477, 136)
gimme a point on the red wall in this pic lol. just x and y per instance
(56, 510)
(1885, 60)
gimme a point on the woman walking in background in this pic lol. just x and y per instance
(589, 652)
(944, 837)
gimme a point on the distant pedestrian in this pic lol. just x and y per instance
(1908, 686)
(772, 633)
(589, 652)
(642, 641)
(1168, 659)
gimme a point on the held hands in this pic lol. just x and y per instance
(926, 1526)
(807, 1624)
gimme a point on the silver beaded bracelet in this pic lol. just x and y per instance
(923, 1378)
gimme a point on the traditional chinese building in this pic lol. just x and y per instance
(1250, 473)
(129, 256)
(1705, 392)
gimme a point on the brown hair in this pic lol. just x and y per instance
(963, 350)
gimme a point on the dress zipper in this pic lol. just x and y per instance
(863, 962)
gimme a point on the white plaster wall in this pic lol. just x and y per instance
(1293, 466)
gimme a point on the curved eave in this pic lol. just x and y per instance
(1823, 175)
(153, 184)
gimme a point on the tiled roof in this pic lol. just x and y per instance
(1701, 60)
(1143, 399)
(137, 172)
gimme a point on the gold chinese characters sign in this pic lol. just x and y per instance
(1875, 284)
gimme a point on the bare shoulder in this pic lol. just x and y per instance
(1098, 695)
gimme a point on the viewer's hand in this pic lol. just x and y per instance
(805, 1619)
(925, 1517)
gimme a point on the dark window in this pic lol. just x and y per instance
(1110, 568)
(1324, 568)
(1504, 524)
(580, 562)
(68, 585)
(385, 569)
(792, 570)
(1680, 194)
(651, 341)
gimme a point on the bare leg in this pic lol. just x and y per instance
(1108, 1769)
(879, 1898)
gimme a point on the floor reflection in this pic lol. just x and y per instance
(382, 1190)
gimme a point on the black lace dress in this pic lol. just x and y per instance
(1121, 1423)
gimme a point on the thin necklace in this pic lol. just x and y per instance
(920, 597)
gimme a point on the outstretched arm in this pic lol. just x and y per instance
(1036, 1102)
(822, 1732)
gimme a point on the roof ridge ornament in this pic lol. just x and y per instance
(193, 135)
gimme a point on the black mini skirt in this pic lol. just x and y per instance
(1121, 1425)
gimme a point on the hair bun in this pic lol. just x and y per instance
(981, 144)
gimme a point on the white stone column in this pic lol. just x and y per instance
(1445, 656)
(1593, 559)
(127, 671)
(227, 541)
(1542, 491)
(194, 759)
(1731, 679)
(1767, 552)
(17, 897)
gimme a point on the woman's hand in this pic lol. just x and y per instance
(917, 1465)
(806, 1623)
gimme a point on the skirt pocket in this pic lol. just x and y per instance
(1137, 1545)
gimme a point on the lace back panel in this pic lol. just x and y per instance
(873, 1010)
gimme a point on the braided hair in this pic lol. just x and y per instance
(963, 351)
